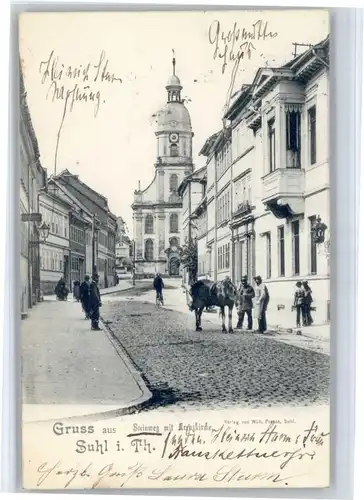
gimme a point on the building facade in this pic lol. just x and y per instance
(95, 229)
(268, 185)
(33, 180)
(55, 251)
(123, 245)
(192, 191)
(157, 209)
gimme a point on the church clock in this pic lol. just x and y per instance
(173, 137)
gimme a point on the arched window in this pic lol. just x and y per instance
(174, 150)
(148, 229)
(173, 183)
(149, 250)
(173, 223)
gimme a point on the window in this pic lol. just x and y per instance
(293, 137)
(174, 150)
(223, 207)
(272, 145)
(173, 223)
(313, 247)
(149, 224)
(223, 256)
(173, 183)
(149, 253)
(312, 134)
(281, 254)
(296, 247)
(269, 255)
(243, 191)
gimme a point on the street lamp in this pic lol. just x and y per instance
(43, 232)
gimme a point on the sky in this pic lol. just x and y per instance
(99, 122)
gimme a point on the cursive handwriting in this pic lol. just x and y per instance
(72, 84)
(232, 45)
(110, 476)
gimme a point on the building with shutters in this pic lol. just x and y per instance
(157, 208)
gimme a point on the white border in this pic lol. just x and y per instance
(351, 99)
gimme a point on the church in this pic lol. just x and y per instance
(157, 209)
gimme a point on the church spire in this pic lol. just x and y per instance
(174, 86)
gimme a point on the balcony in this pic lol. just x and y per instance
(283, 192)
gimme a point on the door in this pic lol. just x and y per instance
(174, 266)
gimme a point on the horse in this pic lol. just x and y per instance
(205, 293)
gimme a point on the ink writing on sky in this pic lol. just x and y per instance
(75, 85)
(232, 45)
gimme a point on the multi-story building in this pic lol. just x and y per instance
(157, 208)
(94, 238)
(54, 252)
(218, 151)
(192, 191)
(123, 244)
(268, 184)
(33, 179)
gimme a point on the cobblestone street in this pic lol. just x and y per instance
(186, 369)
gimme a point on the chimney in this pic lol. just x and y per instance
(139, 186)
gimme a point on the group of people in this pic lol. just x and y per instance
(302, 303)
(88, 293)
(246, 293)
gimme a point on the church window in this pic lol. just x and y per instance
(149, 250)
(174, 150)
(149, 224)
(173, 223)
(173, 183)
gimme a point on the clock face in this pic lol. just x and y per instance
(173, 123)
(173, 137)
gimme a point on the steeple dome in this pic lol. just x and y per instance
(174, 86)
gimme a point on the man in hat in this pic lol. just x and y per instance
(85, 296)
(262, 300)
(244, 304)
(95, 303)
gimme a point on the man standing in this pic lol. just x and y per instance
(245, 298)
(95, 303)
(85, 296)
(299, 297)
(158, 286)
(262, 300)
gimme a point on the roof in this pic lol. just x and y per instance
(196, 176)
(93, 201)
(206, 148)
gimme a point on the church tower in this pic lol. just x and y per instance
(158, 208)
(174, 132)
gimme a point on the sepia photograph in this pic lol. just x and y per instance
(175, 249)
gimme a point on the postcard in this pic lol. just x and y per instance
(175, 249)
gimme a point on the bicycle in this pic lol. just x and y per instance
(159, 300)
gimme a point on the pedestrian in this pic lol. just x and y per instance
(76, 290)
(307, 318)
(299, 296)
(85, 296)
(95, 303)
(245, 298)
(61, 290)
(261, 304)
(158, 286)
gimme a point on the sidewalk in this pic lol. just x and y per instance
(65, 363)
(120, 287)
